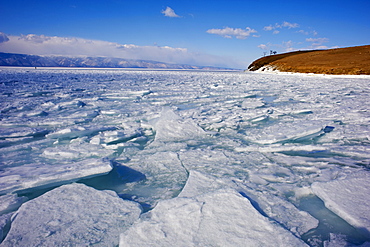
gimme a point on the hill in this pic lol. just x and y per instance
(341, 61)
(23, 60)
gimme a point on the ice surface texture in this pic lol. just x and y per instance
(203, 216)
(72, 215)
(348, 198)
(170, 127)
(266, 143)
(43, 175)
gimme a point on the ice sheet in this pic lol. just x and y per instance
(4, 225)
(273, 207)
(200, 218)
(347, 197)
(72, 215)
(44, 175)
(268, 137)
(171, 127)
(290, 132)
(10, 202)
(164, 173)
(287, 214)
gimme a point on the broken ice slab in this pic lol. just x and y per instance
(217, 218)
(10, 202)
(282, 148)
(37, 175)
(4, 225)
(164, 173)
(126, 95)
(348, 198)
(77, 149)
(269, 205)
(72, 215)
(71, 133)
(199, 183)
(171, 127)
(289, 132)
(284, 212)
(10, 132)
(251, 103)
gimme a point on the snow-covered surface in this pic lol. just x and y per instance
(267, 69)
(270, 69)
(5, 221)
(72, 215)
(41, 175)
(10, 202)
(348, 198)
(251, 148)
(202, 216)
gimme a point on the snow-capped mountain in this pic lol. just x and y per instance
(23, 60)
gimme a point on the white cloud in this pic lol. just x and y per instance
(229, 32)
(317, 41)
(264, 46)
(169, 12)
(35, 38)
(285, 24)
(269, 28)
(314, 33)
(303, 32)
(289, 25)
(47, 45)
(3, 38)
(288, 46)
(285, 46)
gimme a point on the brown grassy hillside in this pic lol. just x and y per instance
(348, 61)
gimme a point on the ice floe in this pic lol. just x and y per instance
(170, 127)
(220, 217)
(5, 220)
(165, 176)
(44, 175)
(10, 202)
(72, 215)
(347, 197)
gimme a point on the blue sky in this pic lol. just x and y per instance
(220, 33)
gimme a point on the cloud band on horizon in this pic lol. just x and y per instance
(33, 44)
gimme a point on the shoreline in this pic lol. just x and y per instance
(270, 70)
(137, 69)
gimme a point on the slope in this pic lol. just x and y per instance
(350, 61)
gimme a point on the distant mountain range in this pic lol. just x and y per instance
(23, 60)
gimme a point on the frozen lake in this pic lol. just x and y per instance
(183, 158)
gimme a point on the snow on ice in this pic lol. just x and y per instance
(347, 197)
(43, 175)
(183, 157)
(206, 217)
(72, 215)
